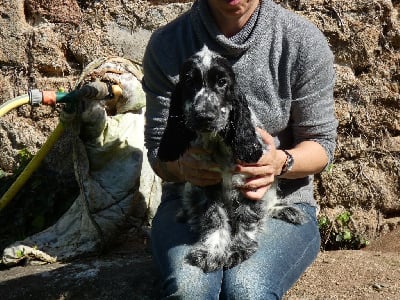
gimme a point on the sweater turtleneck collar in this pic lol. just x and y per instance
(207, 30)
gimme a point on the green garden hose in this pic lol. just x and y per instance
(95, 90)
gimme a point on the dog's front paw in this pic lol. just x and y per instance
(203, 259)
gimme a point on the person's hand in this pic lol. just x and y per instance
(197, 169)
(261, 174)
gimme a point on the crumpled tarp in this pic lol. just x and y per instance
(111, 169)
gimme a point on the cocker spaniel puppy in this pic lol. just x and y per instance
(208, 110)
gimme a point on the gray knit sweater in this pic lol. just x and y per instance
(283, 65)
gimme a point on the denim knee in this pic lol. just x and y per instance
(171, 241)
(249, 290)
(192, 283)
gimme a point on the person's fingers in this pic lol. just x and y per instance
(192, 165)
(196, 158)
(202, 174)
(255, 194)
(198, 172)
(255, 170)
(266, 137)
(202, 177)
(203, 182)
(258, 182)
(197, 150)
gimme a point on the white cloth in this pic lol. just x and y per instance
(112, 171)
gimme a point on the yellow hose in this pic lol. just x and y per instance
(41, 154)
(36, 160)
(13, 103)
(31, 166)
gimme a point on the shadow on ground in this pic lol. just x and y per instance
(125, 273)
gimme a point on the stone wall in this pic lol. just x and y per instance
(46, 45)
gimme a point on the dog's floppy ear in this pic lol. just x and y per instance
(241, 135)
(176, 137)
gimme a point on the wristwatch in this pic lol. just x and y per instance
(288, 165)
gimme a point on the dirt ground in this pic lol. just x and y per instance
(128, 273)
(371, 273)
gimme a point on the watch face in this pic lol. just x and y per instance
(290, 162)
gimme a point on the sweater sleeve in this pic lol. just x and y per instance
(157, 86)
(312, 111)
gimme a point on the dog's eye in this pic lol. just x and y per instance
(221, 82)
(188, 79)
(191, 77)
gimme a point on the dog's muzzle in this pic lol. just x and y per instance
(206, 114)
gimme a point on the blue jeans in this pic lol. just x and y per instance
(285, 251)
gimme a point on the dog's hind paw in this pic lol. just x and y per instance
(289, 214)
(204, 260)
(238, 256)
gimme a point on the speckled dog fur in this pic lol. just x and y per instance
(208, 110)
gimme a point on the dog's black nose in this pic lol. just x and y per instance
(202, 120)
(204, 116)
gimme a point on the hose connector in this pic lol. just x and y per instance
(35, 97)
(94, 91)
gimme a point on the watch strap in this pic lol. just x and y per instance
(288, 165)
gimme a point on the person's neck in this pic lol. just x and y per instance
(229, 26)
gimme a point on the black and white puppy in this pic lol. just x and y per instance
(208, 110)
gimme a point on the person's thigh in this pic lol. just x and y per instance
(285, 251)
(171, 241)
